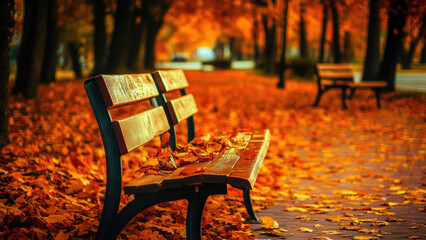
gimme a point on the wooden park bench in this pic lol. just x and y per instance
(121, 136)
(342, 76)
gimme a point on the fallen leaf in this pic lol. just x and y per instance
(331, 232)
(192, 169)
(269, 223)
(248, 154)
(304, 229)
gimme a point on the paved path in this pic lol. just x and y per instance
(371, 187)
(407, 81)
(412, 82)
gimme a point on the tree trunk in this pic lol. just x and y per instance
(270, 45)
(74, 49)
(303, 44)
(255, 39)
(117, 57)
(403, 57)
(407, 56)
(324, 31)
(423, 54)
(396, 21)
(100, 36)
(51, 45)
(31, 51)
(134, 46)
(336, 36)
(140, 61)
(6, 30)
(372, 55)
(151, 36)
(348, 51)
(154, 21)
(281, 82)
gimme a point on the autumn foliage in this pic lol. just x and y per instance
(53, 173)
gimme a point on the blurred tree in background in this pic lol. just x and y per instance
(397, 15)
(129, 36)
(372, 55)
(6, 30)
(31, 52)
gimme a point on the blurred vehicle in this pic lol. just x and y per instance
(179, 57)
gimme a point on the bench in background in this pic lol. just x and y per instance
(342, 76)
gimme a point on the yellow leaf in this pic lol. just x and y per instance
(364, 238)
(303, 229)
(269, 223)
(330, 232)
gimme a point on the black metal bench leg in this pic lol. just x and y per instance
(194, 215)
(351, 95)
(344, 98)
(249, 207)
(318, 98)
(377, 91)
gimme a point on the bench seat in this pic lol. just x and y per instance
(369, 84)
(227, 167)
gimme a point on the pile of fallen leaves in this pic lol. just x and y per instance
(53, 173)
(201, 149)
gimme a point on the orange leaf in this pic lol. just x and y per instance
(153, 172)
(192, 169)
(248, 154)
(165, 139)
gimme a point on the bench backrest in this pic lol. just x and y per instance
(114, 91)
(178, 109)
(334, 71)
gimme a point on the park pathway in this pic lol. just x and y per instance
(368, 184)
(411, 81)
(407, 81)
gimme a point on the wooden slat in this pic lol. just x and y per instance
(335, 72)
(327, 82)
(136, 130)
(369, 84)
(223, 164)
(119, 90)
(336, 75)
(177, 179)
(182, 108)
(170, 80)
(333, 66)
(245, 172)
(258, 136)
(146, 184)
(256, 144)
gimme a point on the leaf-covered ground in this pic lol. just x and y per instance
(357, 174)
